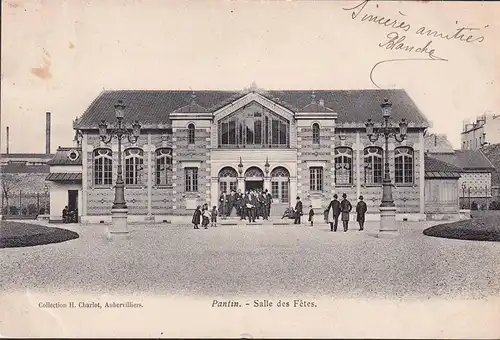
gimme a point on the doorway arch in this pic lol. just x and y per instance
(254, 179)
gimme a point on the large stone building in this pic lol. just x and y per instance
(194, 145)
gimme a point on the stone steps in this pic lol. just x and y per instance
(275, 221)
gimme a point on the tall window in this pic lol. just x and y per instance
(164, 166)
(228, 180)
(343, 165)
(315, 132)
(191, 179)
(103, 166)
(191, 133)
(316, 178)
(134, 164)
(403, 165)
(254, 127)
(373, 165)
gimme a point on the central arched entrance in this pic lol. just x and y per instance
(254, 179)
(280, 190)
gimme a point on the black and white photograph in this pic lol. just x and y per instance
(250, 169)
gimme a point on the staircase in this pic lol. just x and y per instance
(273, 221)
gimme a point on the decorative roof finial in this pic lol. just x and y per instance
(253, 86)
(193, 96)
(313, 97)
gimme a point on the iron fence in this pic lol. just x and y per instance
(25, 203)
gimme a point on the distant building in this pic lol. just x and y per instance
(485, 130)
(493, 153)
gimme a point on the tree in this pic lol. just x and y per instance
(9, 183)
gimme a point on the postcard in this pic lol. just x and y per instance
(250, 169)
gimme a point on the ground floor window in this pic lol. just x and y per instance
(191, 179)
(316, 178)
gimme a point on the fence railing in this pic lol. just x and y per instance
(25, 204)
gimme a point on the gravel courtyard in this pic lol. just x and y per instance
(230, 260)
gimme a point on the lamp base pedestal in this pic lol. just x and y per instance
(118, 222)
(388, 225)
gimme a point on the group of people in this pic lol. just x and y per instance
(252, 204)
(69, 216)
(342, 209)
(255, 204)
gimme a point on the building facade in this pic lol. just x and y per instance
(486, 130)
(195, 145)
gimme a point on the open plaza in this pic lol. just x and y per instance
(256, 260)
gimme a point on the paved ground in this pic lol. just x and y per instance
(257, 260)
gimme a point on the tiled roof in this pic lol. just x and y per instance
(22, 168)
(62, 157)
(492, 152)
(64, 177)
(315, 107)
(193, 107)
(26, 155)
(152, 107)
(468, 160)
(434, 168)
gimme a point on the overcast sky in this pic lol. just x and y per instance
(58, 55)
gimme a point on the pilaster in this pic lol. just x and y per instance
(267, 183)
(150, 175)
(422, 171)
(85, 174)
(241, 184)
(358, 148)
(293, 191)
(214, 190)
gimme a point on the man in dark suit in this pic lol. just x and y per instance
(334, 213)
(267, 203)
(360, 213)
(243, 207)
(223, 204)
(251, 203)
(298, 211)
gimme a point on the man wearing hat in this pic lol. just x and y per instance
(345, 209)
(360, 213)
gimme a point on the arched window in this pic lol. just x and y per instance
(103, 166)
(254, 172)
(164, 166)
(343, 165)
(403, 165)
(280, 184)
(228, 180)
(191, 133)
(134, 160)
(315, 132)
(373, 165)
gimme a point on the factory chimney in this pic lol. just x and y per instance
(7, 140)
(47, 133)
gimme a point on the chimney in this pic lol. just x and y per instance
(7, 140)
(47, 133)
(321, 102)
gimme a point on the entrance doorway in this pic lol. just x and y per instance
(280, 190)
(254, 185)
(73, 205)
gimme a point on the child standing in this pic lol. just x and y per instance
(206, 217)
(311, 215)
(214, 216)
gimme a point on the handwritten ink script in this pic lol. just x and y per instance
(401, 31)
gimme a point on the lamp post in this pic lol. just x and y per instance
(46, 191)
(388, 225)
(119, 209)
(463, 195)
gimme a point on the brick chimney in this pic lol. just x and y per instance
(47, 133)
(7, 145)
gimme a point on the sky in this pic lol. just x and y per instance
(59, 55)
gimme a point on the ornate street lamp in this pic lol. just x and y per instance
(119, 209)
(386, 130)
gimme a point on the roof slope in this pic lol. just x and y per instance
(492, 152)
(435, 168)
(152, 107)
(466, 159)
(62, 157)
(22, 168)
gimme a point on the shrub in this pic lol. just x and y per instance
(32, 209)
